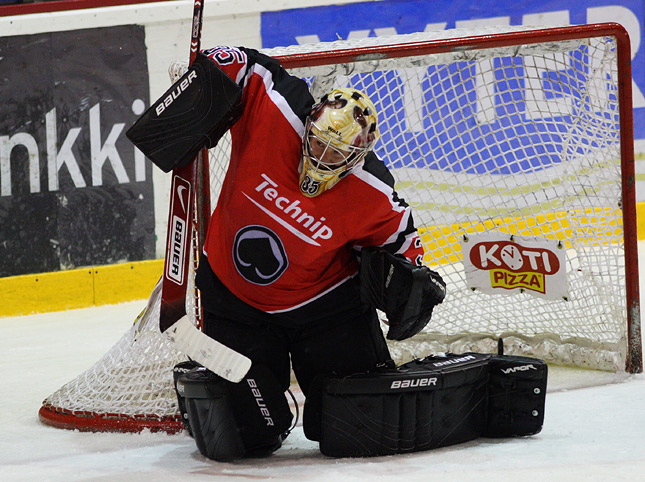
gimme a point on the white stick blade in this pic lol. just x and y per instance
(215, 356)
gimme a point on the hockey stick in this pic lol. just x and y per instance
(218, 358)
(186, 188)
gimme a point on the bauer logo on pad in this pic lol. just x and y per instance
(499, 263)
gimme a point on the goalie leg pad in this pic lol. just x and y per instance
(234, 420)
(433, 402)
(421, 405)
(178, 370)
(194, 113)
(516, 396)
(210, 415)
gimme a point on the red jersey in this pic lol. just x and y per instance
(270, 245)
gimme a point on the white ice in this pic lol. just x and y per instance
(593, 432)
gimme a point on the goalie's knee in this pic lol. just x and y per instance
(234, 420)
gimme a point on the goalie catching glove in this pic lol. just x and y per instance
(405, 292)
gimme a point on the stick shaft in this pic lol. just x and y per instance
(182, 222)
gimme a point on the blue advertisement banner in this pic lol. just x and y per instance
(370, 19)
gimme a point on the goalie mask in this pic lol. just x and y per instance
(340, 131)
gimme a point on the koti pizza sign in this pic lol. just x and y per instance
(499, 263)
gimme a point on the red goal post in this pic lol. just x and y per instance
(520, 135)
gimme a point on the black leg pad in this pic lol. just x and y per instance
(516, 396)
(210, 415)
(432, 402)
(233, 420)
(418, 406)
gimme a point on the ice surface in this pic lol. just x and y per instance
(594, 426)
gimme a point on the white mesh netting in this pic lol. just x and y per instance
(130, 388)
(522, 139)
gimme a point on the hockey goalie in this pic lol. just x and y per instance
(307, 241)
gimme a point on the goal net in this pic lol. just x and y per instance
(514, 148)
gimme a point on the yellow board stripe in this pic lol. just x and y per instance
(442, 243)
(640, 220)
(78, 288)
(100, 285)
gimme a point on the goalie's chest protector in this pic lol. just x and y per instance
(273, 247)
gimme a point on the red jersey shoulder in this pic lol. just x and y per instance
(231, 60)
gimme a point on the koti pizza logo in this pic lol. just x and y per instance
(512, 265)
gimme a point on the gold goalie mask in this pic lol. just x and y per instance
(340, 131)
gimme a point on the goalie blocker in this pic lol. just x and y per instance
(193, 114)
(431, 403)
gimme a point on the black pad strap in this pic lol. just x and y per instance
(194, 113)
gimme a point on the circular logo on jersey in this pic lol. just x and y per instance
(259, 255)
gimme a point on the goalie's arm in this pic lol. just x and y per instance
(391, 224)
(194, 113)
